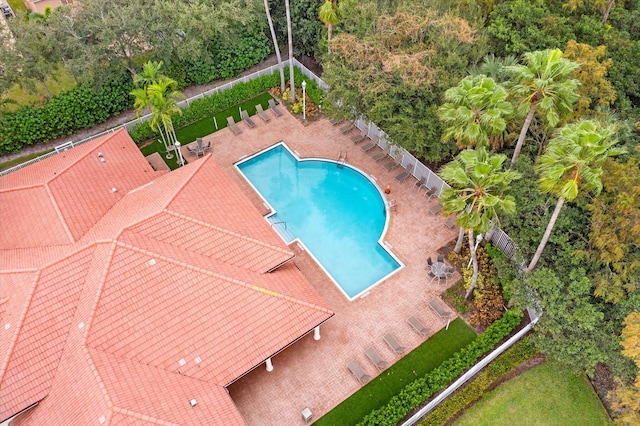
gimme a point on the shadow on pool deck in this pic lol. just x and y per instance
(313, 373)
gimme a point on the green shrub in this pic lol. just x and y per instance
(421, 389)
(508, 361)
(81, 107)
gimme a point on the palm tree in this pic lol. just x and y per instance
(290, 37)
(275, 44)
(476, 195)
(476, 112)
(149, 74)
(572, 161)
(543, 84)
(329, 16)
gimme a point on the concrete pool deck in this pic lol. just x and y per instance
(314, 374)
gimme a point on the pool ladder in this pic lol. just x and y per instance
(342, 158)
(276, 224)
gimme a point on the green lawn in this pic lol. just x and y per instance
(416, 364)
(548, 395)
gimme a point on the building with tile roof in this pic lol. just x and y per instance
(130, 296)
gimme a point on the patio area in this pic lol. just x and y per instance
(314, 374)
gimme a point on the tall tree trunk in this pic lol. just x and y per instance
(547, 234)
(605, 16)
(523, 133)
(474, 260)
(275, 45)
(458, 246)
(292, 83)
(46, 89)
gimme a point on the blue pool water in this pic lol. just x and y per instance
(336, 212)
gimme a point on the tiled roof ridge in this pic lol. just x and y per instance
(63, 222)
(197, 165)
(96, 375)
(96, 302)
(23, 315)
(144, 417)
(224, 277)
(105, 139)
(229, 232)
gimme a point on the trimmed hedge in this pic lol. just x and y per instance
(421, 389)
(507, 362)
(78, 108)
(210, 105)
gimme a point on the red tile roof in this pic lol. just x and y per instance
(172, 282)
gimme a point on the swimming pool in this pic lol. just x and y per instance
(335, 211)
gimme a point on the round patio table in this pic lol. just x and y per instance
(439, 269)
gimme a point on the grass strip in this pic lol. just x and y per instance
(549, 395)
(474, 390)
(417, 363)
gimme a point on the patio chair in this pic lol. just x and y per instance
(347, 127)
(273, 107)
(438, 309)
(391, 204)
(418, 326)
(233, 126)
(336, 121)
(356, 139)
(245, 117)
(379, 156)
(420, 183)
(261, 113)
(440, 258)
(358, 372)
(429, 261)
(375, 358)
(451, 222)
(431, 192)
(191, 151)
(404, 175)
(391, 164)
(436, 209)
(391, 340)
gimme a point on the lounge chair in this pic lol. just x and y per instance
(233, 126)
(431, 192)
(372, 354)
(436, 209)
(336, 121)
(404, 175)
(379, 156)
(391, 164)
(356, 139)
(261, 113)
(417, 326)
(369, 145)
(347, 127)
(451, 222)
(273, 107)
(391, 204)
(391, 340)
(247, 119)
(421, 183)
(438, 309)
(357, 371)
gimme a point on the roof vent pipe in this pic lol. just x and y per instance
(193, 402)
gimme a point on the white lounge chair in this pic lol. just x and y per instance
(358, 372)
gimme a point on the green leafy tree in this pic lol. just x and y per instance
(615, 232)
(275, 45)
(292, 83)
(478, 184)
(543, 85)
(625, 399)
(572, 161)
(475, 112)
(329, 16)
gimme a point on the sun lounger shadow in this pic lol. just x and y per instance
(358, 372)
(261, 113)
(233, 126)
(375, 358)
(245, 117)
(417, 326)
(273, 107)
(391, 340)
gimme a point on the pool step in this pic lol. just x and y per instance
(281, 228)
